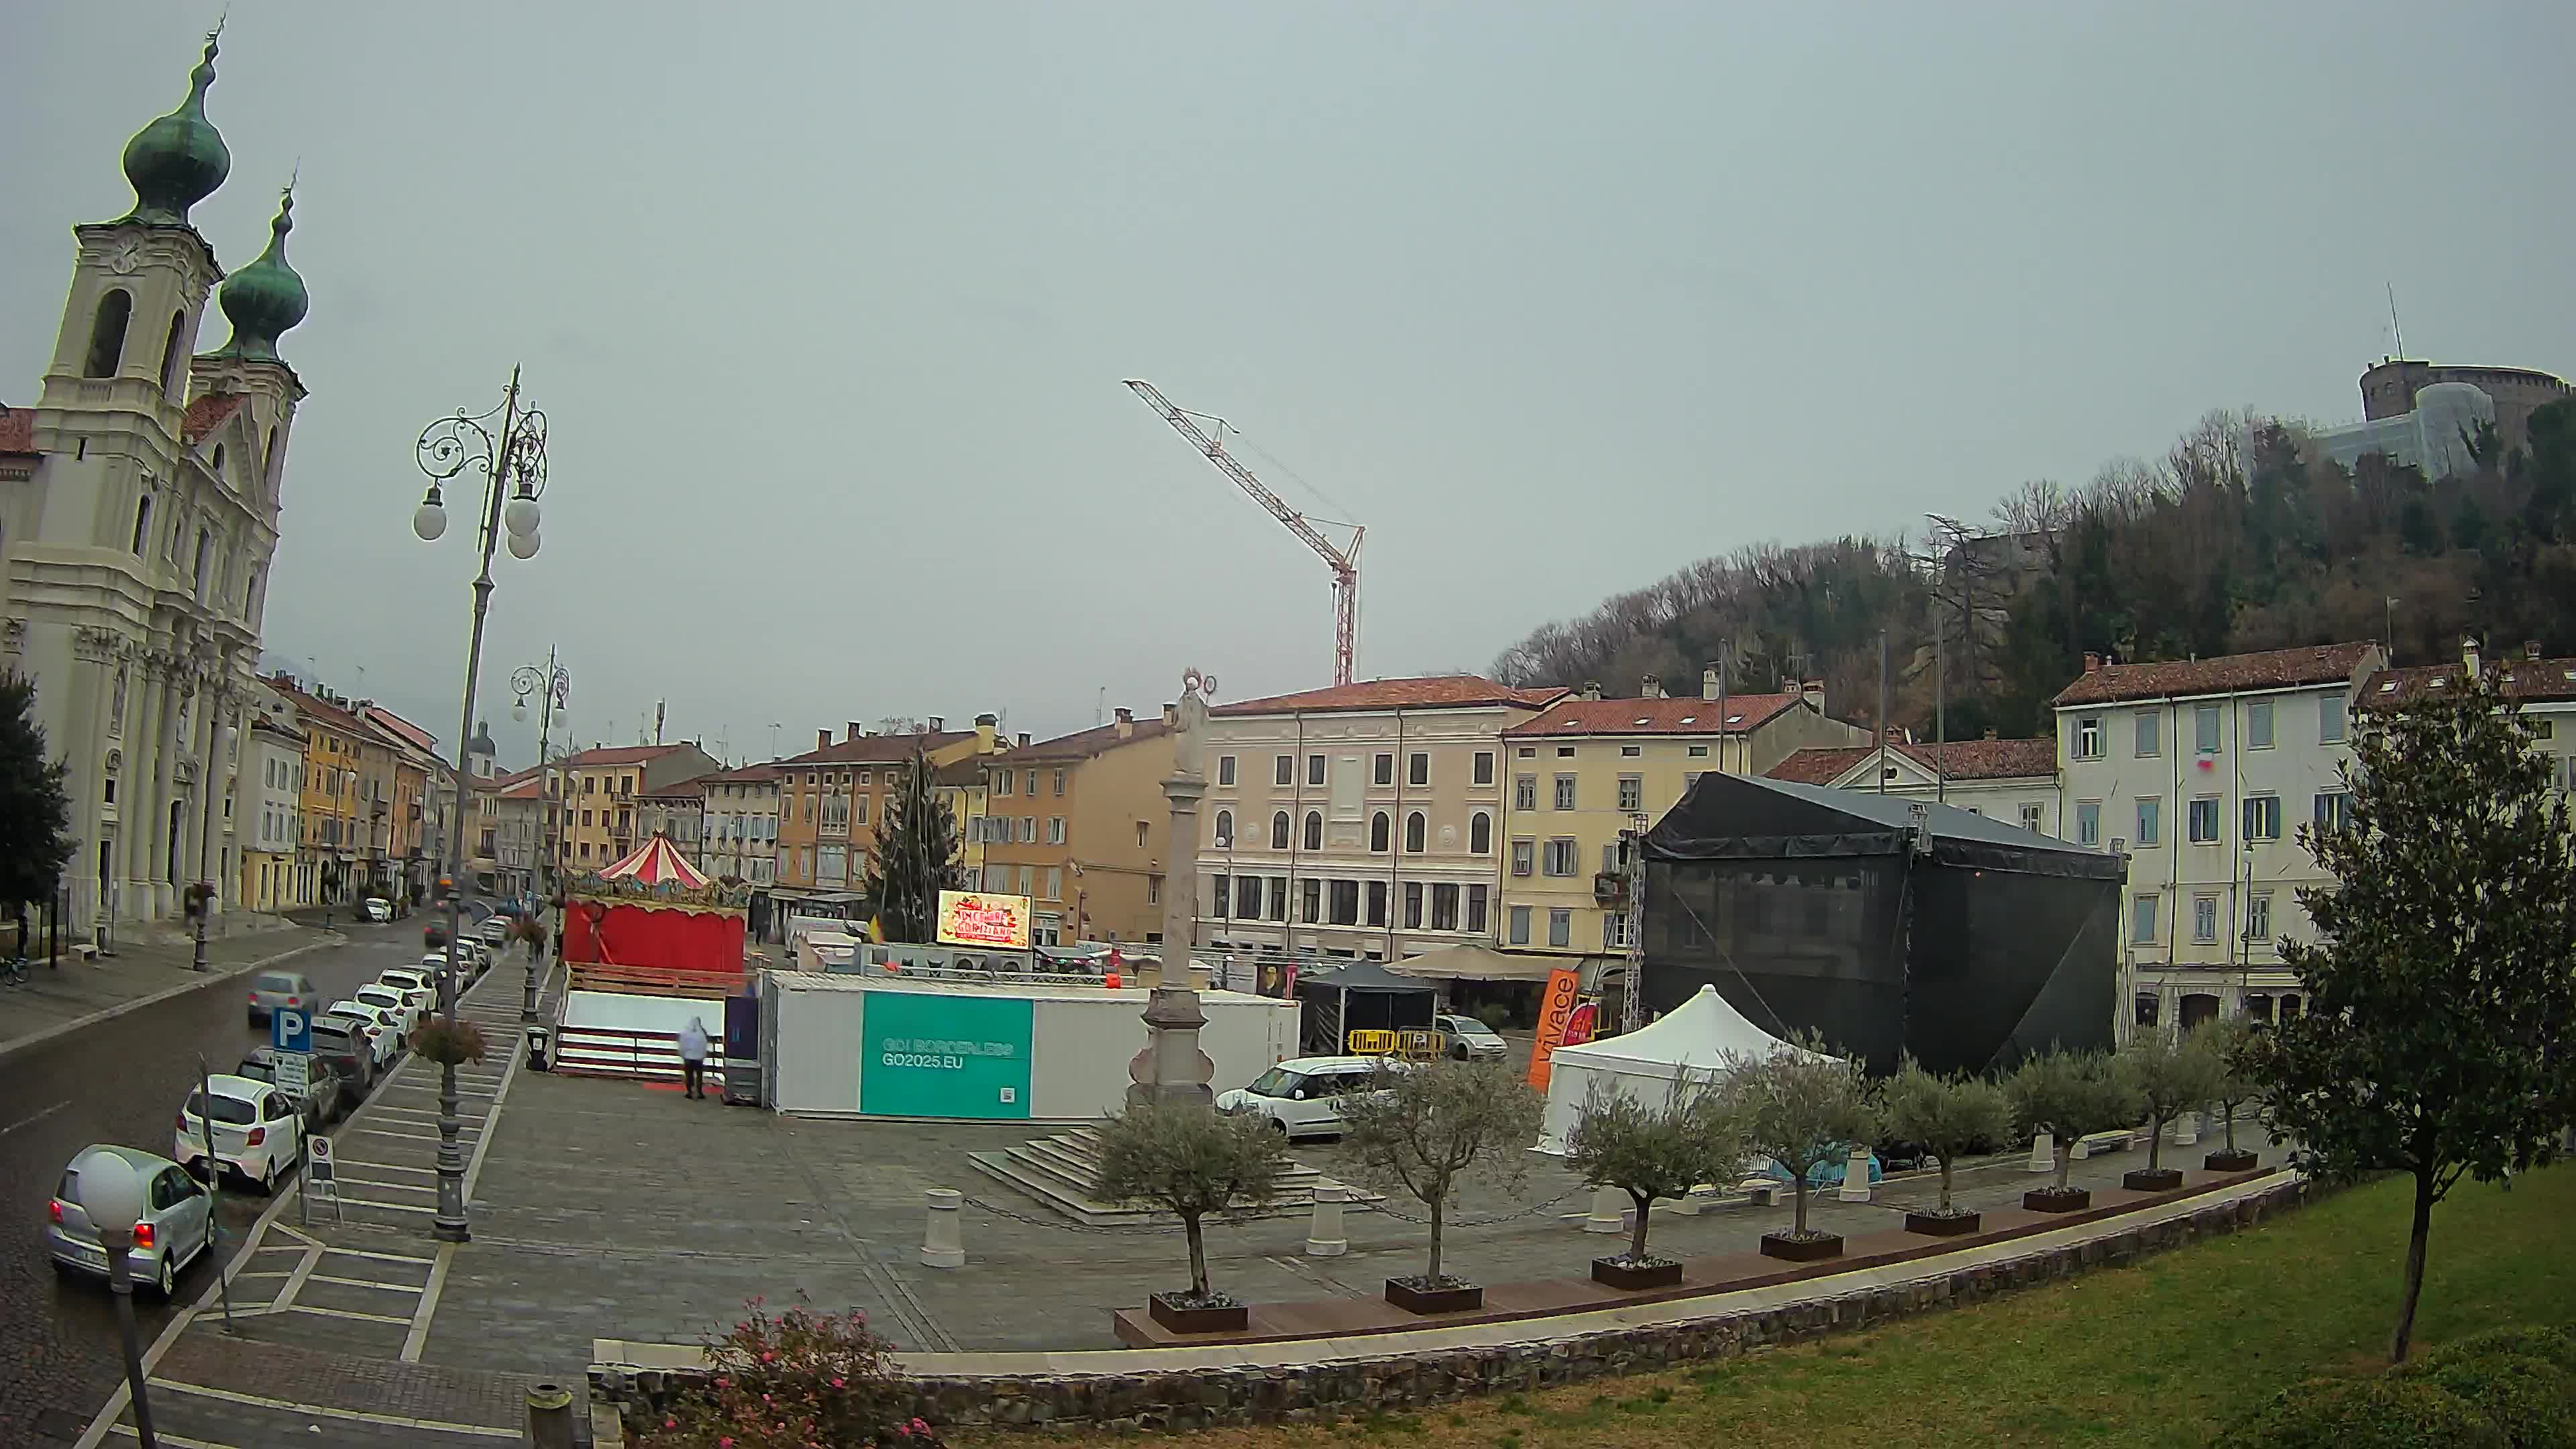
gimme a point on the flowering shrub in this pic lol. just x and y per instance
(793, 1380)
(450, 1041)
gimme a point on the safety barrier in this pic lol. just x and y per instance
(651, 1056)
(654, 980)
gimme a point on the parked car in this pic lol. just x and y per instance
(418, 985)
(1470, 1039)
(379, 910)
(258, 1130)
(495, 931)
(383, 1034)
(406, 1013)
(322, 1099)
(1303, 1096)
(175, 1229)
(341, 1042)
(270, 990)
(474, 957)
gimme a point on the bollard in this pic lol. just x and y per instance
(1609, 1211)
(2186, 1129)
(941, 1244)
(2043, 1153)
(1856, 1177)
(1324, 1237)
(549, 1416)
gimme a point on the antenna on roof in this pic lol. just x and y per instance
(2398, 332)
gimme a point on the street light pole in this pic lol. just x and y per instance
(551, 683)
(447, 448)
(113, 1197)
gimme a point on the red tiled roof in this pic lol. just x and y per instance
(1440, 691)
(2226, 674)
(527, 788)
(1083, 744)
(207, 413)
(968, 771)
(400, 728)
(747, 775)
(1959, 760)
(17, 430)
(877, 749)
(2549, 679)
(319, 708)
(616, 755)
(1692, 716)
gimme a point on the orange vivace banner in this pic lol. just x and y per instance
(973, 918)
(1556, 1008)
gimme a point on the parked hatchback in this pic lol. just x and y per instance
(339, 1041)
(270, 990)
(258, 1131)
(173, 1232)
(322, 1097)
(1303, 1096)
(1470, 1039)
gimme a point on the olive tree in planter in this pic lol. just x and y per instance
(2070, 1095)
(2170, 1074)
(1950, 1116)
(1802, 1107)
(1422, 1129)
(1650, 1150)
(2240, 1051)
(1191, 1162)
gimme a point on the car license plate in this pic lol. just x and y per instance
(90, 1257)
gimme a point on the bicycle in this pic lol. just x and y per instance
(13, 971)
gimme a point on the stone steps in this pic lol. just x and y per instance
(1059, 1171)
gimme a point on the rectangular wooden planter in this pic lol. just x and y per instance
(2152, 1179)
(1615, 1274)
(1936, 1225)
(2237, 1161)
(1231, 1318)
(1797, 1250)
(2050, 1200)
(1460, 1299)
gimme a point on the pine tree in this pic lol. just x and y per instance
(35, 816)
(915, 857)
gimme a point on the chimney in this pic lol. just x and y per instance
(1813, 692)
(1592, 689)
(1024, 739)
(1990, 732)
(2469, 654)
(822, 739)
(2092, 662)
(2530, 648)
(987, 727)
(1126, 723)
(1171, 714)
(856, 731)
(1708, 683)
(939, 724)
(1650, 688)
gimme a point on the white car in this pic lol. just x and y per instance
(383, 1033)
(494, 931)
(258, 1130)
(1303, 1096)
(419, 986)
(379, 910)
(1470, 1039)
(473, 956)
(405, 1012)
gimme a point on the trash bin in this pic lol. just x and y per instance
(537, 1038)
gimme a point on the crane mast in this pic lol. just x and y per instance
(1344, 562)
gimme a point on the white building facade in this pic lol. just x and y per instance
(138, 546)
(270, 809)
(2201, 772)
(2014, 781)
(741, 825)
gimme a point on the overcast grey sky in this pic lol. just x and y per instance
(830, 303)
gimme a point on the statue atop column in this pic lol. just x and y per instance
(1171, 1068)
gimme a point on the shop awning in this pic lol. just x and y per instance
(1471, 962)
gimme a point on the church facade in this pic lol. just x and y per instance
(140, 500)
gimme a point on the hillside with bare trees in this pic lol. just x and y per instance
(2238, 538)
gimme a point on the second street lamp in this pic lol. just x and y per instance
(514, 471)
(554, 683)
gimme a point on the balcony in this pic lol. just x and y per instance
(1609, 888)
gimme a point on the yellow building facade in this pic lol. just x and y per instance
(329, 852)
(1079, 824)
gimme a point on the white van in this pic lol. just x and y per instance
(1303, 1096)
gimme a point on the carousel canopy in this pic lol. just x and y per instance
(657, 862)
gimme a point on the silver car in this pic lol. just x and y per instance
(270, 990)
(176, 1227)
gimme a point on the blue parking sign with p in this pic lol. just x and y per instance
(290, 1030)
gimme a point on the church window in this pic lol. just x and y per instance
(116, 705)
(205, 559)
(142, 523)
(170, 352)
(107, 333)
(218, 464)
(271, 460)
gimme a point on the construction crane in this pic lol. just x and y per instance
(1345, 562)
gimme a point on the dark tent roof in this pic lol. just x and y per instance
(1364, 975)
(1732, 817)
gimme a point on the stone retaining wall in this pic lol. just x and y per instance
(1397, 1381)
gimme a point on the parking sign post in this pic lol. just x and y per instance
(215, 1185)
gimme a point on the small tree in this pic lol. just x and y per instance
(529, 932)
(35, 816)
(1423, 1128)
(1190, 1162)
(1802, 1107)
(2241, 1051)
(1652, 1150)
(1950, 1116)
(915, 857)
(2070, 1095)
(2440, 997)
(2169, 1075)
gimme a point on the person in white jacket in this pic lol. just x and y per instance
(693, 1057)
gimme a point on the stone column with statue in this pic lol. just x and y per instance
(1171, 1068)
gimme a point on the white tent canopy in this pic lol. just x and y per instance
(1693, 1039)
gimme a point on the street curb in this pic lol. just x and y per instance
(212, 978)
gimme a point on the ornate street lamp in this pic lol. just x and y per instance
(553, 684)
(513, 465)
(112, 1196)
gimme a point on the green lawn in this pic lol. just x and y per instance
(2170, 1352)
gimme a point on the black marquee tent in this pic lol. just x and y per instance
(1362, 996)
(1888, 925)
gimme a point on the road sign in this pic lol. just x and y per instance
(319, 1170)
(321, 1179)
(295, 1074)
(290, 1030)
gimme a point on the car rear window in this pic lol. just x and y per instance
(380, 996)
(329, 1034)
(231, 1111)
(277, 981)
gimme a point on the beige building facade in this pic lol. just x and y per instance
(1080, 825)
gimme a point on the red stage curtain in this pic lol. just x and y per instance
(626, 935)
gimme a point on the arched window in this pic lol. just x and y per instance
(1480, 834)
(1378, 831)
(269, 462)
(1414, 825)
(205, 560)
(218, 464)
(250, 597)
(142, 523)
(1314, 830)
(107, 333)
(1279, 831)
(1225, 827)
(170, 352)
